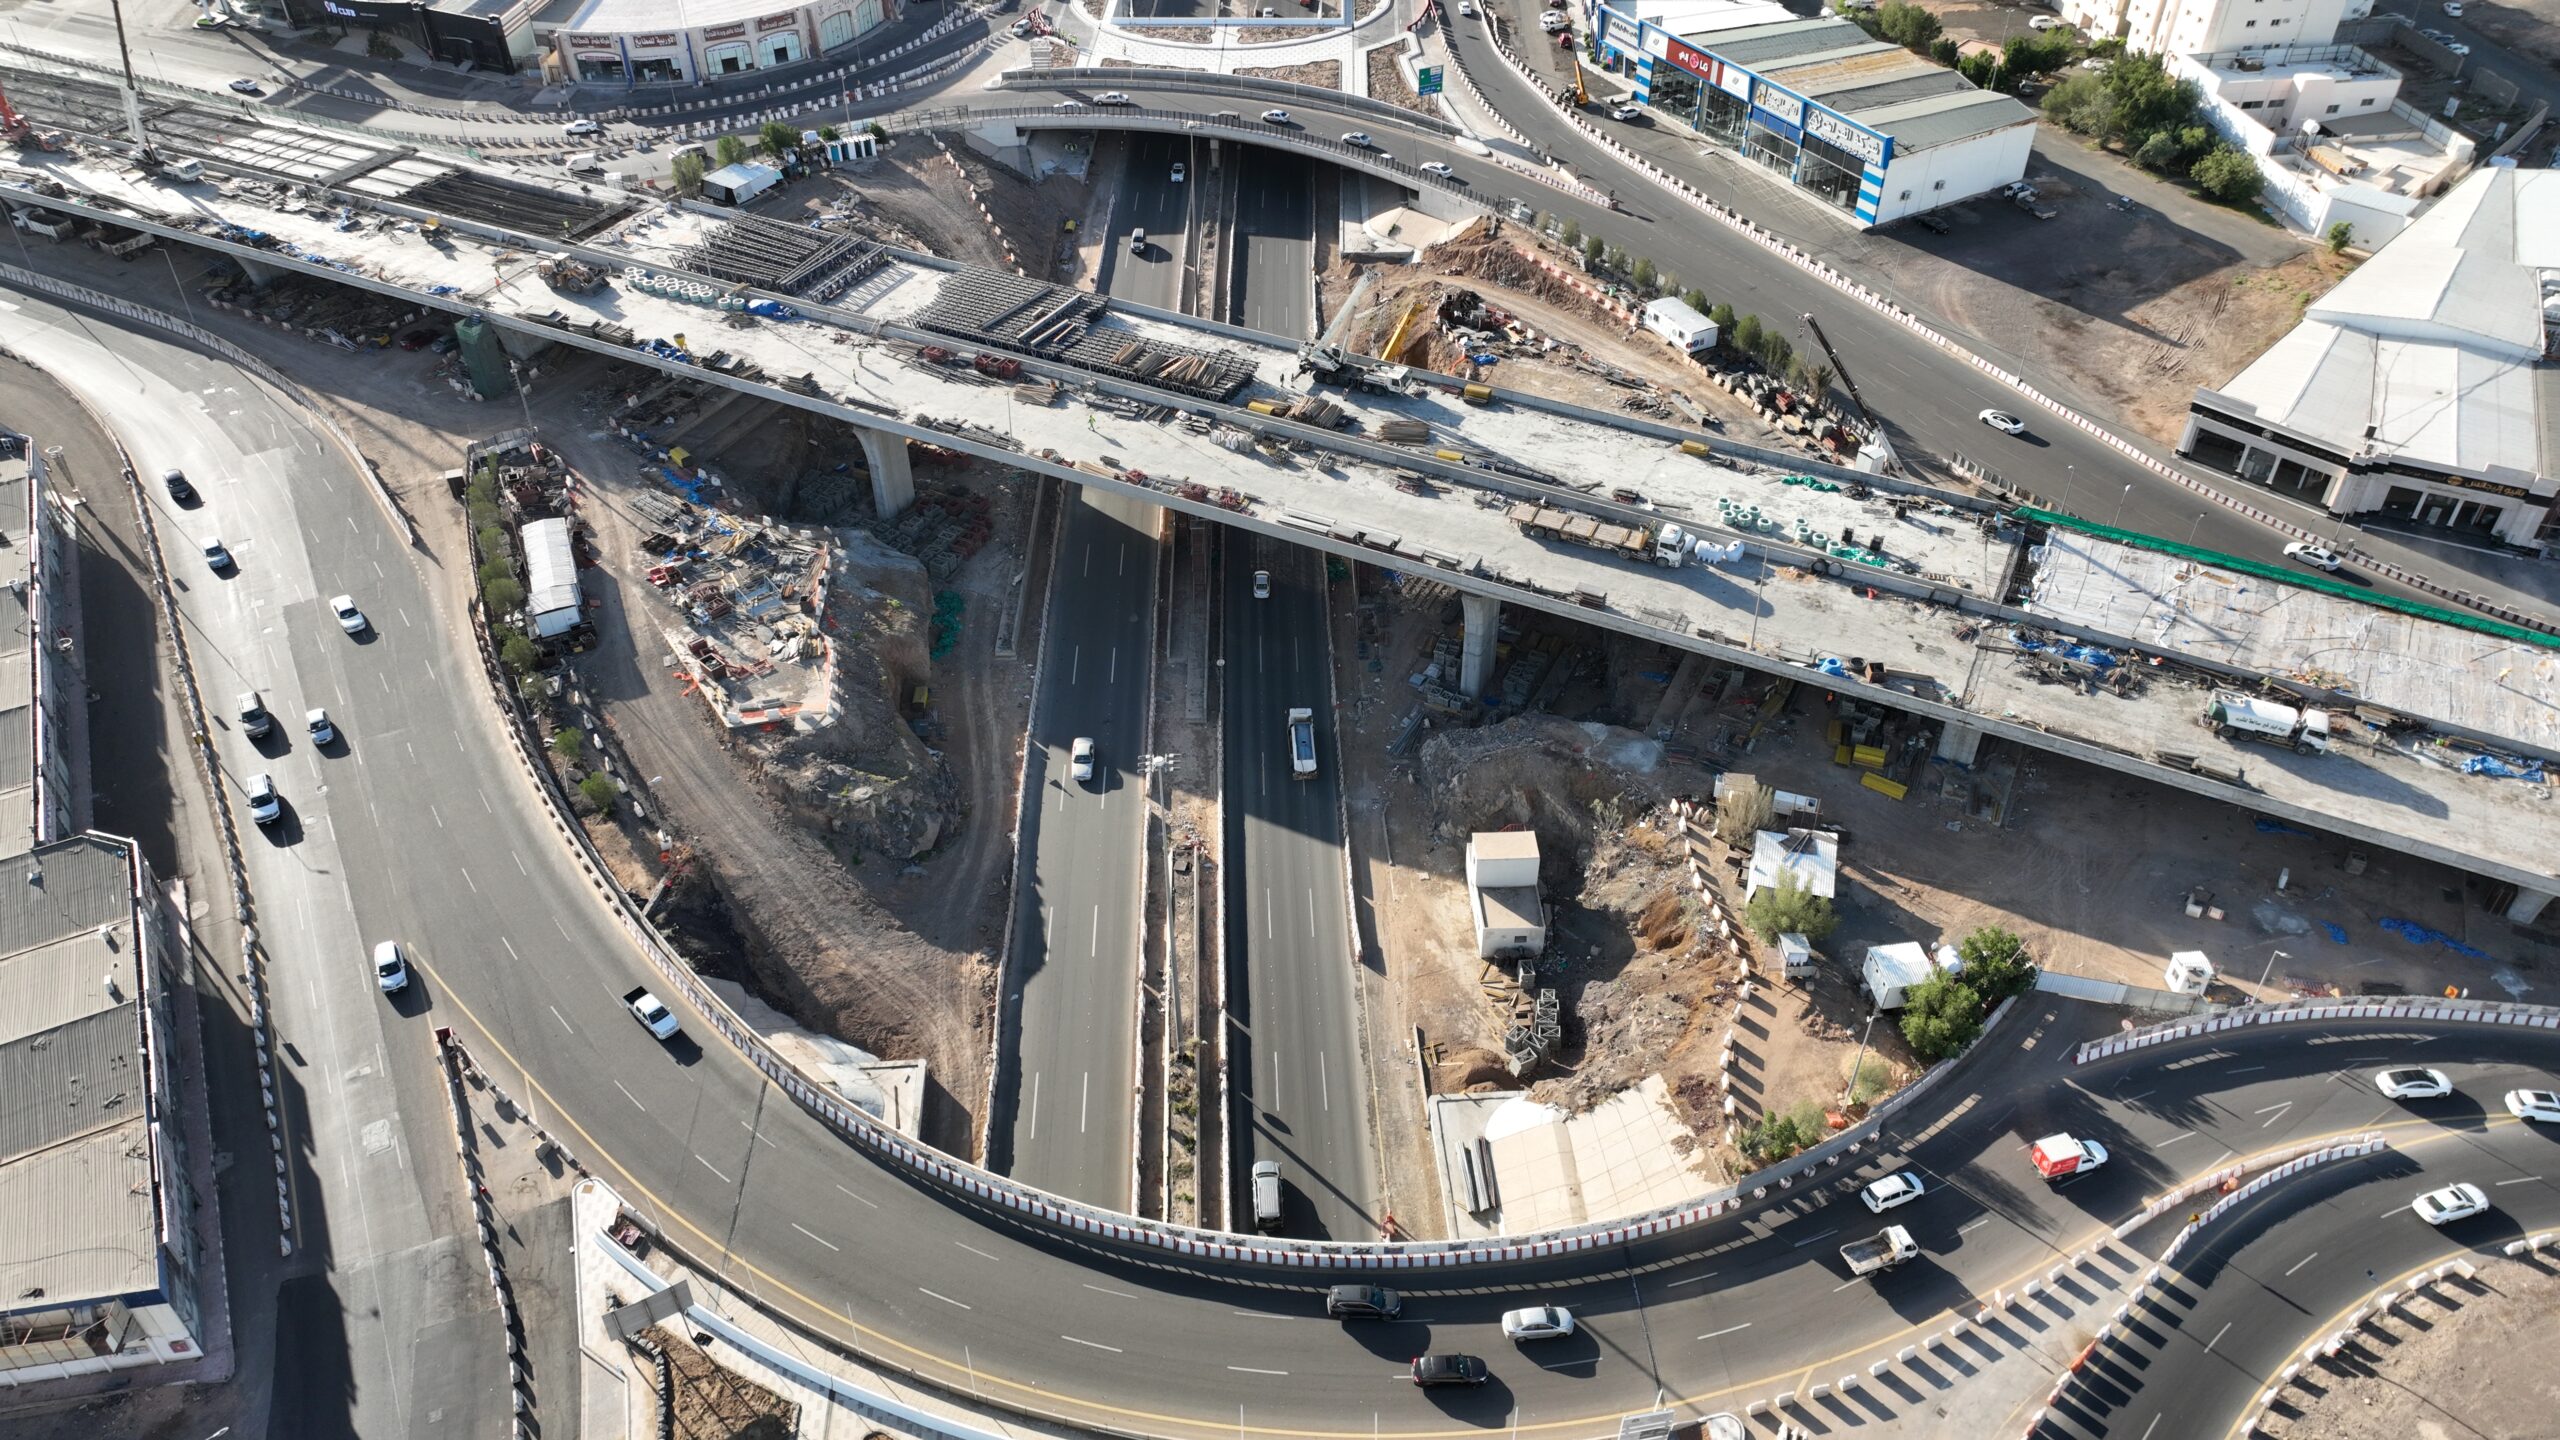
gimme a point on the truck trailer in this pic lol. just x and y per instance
(2231, 714)
(1661, 542)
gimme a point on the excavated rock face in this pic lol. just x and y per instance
(866, 783)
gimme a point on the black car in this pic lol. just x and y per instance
(179, 489)
(1449, 1370)
(1362, 1302)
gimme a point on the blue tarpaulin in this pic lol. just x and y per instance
(2505, 767)
(2417, 934)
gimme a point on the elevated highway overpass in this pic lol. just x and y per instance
(1933, 615)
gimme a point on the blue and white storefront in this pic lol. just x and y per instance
(1973, 140)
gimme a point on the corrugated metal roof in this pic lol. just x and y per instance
(52, 985)
(1832, 68)
(1943, 119)
(81, 1226)
(550, 569)
(1860, 93)
(78, 884)
(1766, 45)
(68, 1081)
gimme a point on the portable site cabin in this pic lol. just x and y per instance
(1891, 970)
(551, 600)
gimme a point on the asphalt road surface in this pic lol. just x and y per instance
(1275, 245)
(434, 844)
(1151, 200)
(1300, 1090)
(1064, 1104)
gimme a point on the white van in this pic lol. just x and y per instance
(582, 162)
(1266, 1196)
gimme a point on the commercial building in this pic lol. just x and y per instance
(2198, 27)
(1863, 125)
(2421, 389)
(682, 42)
(1502, 892)
(2330, 134)
(487, 34)
(99, 1258)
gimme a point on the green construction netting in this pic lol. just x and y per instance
(2306, 579)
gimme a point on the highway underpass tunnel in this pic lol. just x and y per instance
(1475, 657)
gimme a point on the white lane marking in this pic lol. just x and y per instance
(1075, 664)
(404, 616)
(2521, 1180)
(1845, 1284)
(2245, 1069)
(1096, 1344)
(520, 865)
(945, 1299)
(1035, 1106)
(2305, 1260)
(1324, 1088)
(467, 880)
(432, 810)
(1113, 678)
(1976, 1225)
(1270, 916)
(485, 805)
(1729, 1329)
(2129, 1099)
(2147, 1429)
(974, 1250)
(714, 1169)
(1093, 943)
(1809, 1239)
(1692, 1280)
(563, 1019)
(511, 949)
(2174, 1139)
(1249, 1370)
(796, 1225)
(851, 1196)
(1311, 912)
(1123, 1294)
(627, 1095)
(2218, 1159)
(1084, 1105)
(2217, 1338)
(2271, 1119)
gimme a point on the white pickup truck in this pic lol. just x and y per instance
(652, 1013)
(1882, 1251)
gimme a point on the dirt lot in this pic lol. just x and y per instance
(713, 1402)
(2448, 1372)
(1322, 74)
(1387, 82)
(911, 197)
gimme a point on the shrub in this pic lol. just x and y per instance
(777, 140)
(1996, 964)
(729, 149)
(1746, 335)
(501, 593)
(2340, 236)
(1787, 907)
(599, 792)
(1614, 259)
(1743, 810)
(829, 133)
(1940, 1017)
(2228, 174)
(568, 744)
(1593, 249)
(687, 173)
(878, 131)
(1909, 26)
(484, 513)
(497, 567)
(1776, 352)
(1723, 316)
(518, 653)
(493, 542)
(1645, 275)
(1571, 235)
(1695, 299)
(1944, 51)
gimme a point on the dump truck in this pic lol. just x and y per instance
(1302, 744)
(2231, 714)
(2056, 1156)
(1881, 1251)
(1661, 542)
(651, 1012)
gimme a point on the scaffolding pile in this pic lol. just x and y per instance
(752, 640)
(988, 307)
(767, 254)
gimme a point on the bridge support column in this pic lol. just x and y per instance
(893, 480)
(1475, 655)
(2527, 906)
(259, 272)
(1959, 743)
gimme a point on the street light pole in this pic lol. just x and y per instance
(2272, 958)
(1849, 1096)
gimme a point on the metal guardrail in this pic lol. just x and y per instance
(2474, 1012)
(1113, 77)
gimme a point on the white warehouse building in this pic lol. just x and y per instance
(1864, 125)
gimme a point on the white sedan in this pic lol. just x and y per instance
(1359, 138)
(582, 127)
(2453, 1202)
(2540, 1105)
(1261, 584)
(2409, 1082)
(2318, 557)
(1540, 1322)
(2004, 422)
(1899, 1188)
(1112, 97)
(1275, 117)
(1080, 760)
(350, 619)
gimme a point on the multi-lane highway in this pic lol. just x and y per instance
(1064, 1114)
(1153, 201)
(1300, 1089)
(1275, 246)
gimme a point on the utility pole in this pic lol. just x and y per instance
(132, 93)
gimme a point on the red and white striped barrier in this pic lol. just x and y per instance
(2434, 1012)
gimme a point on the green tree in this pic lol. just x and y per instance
(1746, 335)
(599, 792)
(501, 593)
(1909, 26)
(1614, 260)
(779, 142)
(687, 173)
(1945, 51)
(2228, 174)
(1996, 964)
(568, 744)
(1571, 235)
(878, 131)
(2037, 52)
(517, 653)
(1722, 314)
(2341, 235)
(1981, 67)
(2160, 153)
(729, 149)
(2148, 98)
(497, 567)
(829, 133)
(1788, 908)
(1695, 299)
(1940, 1017)
(1644, 276)
(493, 542)
(2083, 105)
(1775, 352)
(1593, 249)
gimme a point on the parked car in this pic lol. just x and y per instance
(2318, 557)
(1436, 1370)
(1080, 759)
(2004, 422)
(2457, 47)
(2453, 1202)
(2045, 22)
(217, 556)
(2409, 1082)
(1180, 172)
(175, 482)
(2542, 1105)
(1363, 1302)
(265, 806)
(1626, 111)
(1899, 1188)
(1539, 1322)
(350, 619)
(245, 86)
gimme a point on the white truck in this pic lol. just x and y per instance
(1880, 1252)
(652, 1013)
(1302, 744)
(2231, 714)
(1661, 541)
(1671, 318)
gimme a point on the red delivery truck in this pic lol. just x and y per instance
(2060, 1155)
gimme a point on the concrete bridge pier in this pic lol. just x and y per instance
(2527, 906)
(1959, 743)
(893, 480)
(1475, 655)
